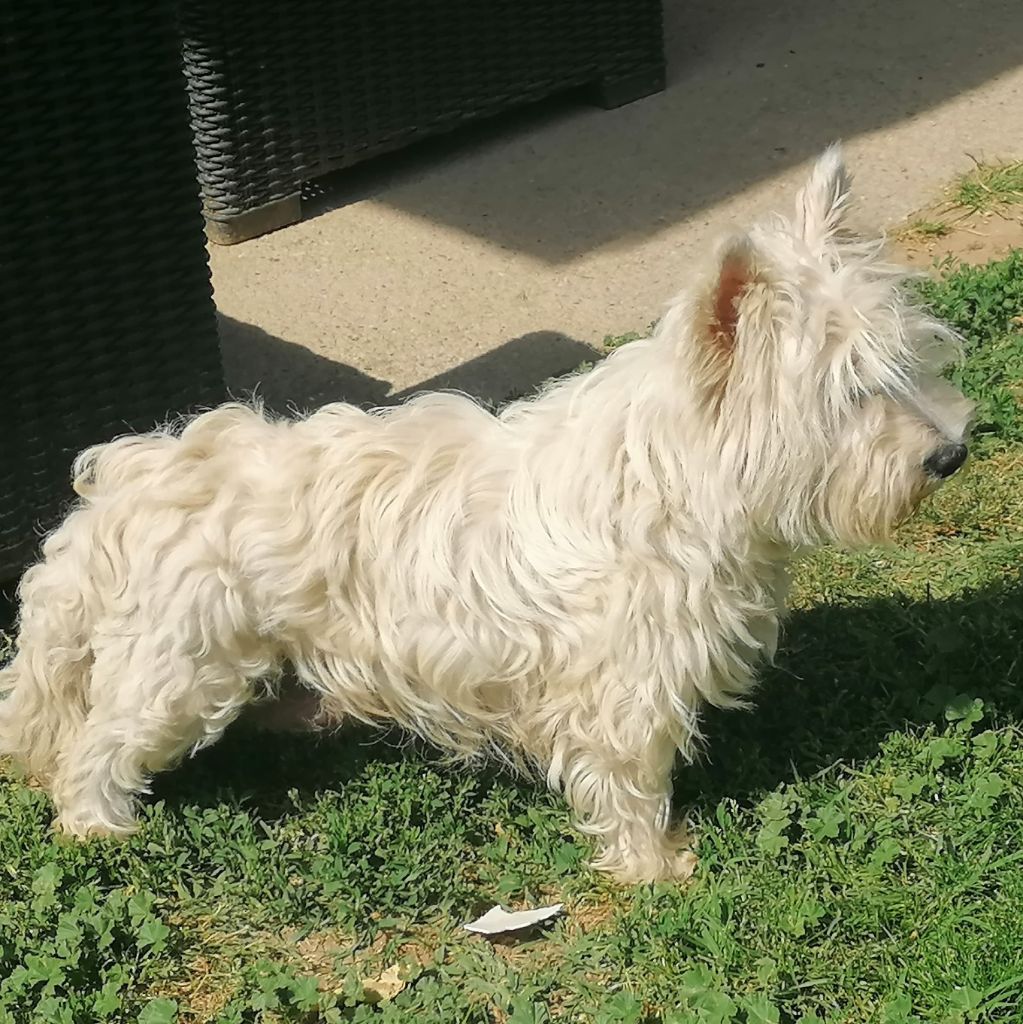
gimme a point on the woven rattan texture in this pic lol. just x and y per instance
(106, 315)
(284, 92)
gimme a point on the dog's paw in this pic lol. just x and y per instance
(82, 829)
(683, 865)
(669, 865)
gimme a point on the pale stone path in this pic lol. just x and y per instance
(491, 261)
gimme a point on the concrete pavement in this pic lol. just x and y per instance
(491, 260)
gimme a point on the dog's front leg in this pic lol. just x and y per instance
(617, 779)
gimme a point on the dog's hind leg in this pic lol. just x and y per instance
(151, 703)
(43, 689)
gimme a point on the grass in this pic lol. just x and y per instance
(860, 834)
(990, 187)
(986, 304)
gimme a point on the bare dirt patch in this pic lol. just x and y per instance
(978, 218)
(966, 237)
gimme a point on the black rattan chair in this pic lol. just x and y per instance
(282, 92)
(107, 321)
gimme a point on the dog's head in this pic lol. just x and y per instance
(818, 376)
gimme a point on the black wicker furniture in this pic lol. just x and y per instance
(107, 321)
(282, 92)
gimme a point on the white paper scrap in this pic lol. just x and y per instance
(497, 920)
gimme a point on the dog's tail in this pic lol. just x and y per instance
(44, 686)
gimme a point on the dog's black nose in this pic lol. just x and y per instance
(946, 460)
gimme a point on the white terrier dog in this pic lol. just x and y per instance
(566, 582)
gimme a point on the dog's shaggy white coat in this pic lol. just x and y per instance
(566, 582)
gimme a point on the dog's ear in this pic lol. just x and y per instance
(719, 316)
(736, 270)
(821, 202)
